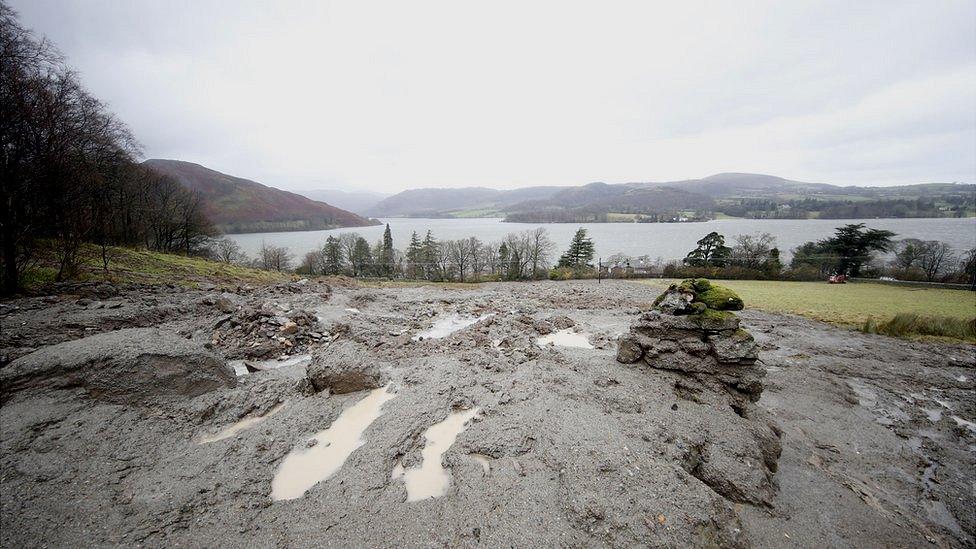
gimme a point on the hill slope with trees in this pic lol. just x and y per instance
(237, 205)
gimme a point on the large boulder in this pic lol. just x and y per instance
(131, 366)
(344, 367)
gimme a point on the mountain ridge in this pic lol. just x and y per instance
(237, 205)
(731, 193)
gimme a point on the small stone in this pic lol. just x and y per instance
(224, 305)
(629, 350)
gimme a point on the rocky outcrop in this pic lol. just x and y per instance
(692, 333)
(685, 333)
(132, 366)
(344, 367)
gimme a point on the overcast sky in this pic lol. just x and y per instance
(400, 94)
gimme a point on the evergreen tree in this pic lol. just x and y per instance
(580, 252)
(429, 256)
(503, 258)
(387, 257)
(332, 256)
(361, 257)
(415, 257)
(711, 252)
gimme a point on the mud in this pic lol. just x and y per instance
(569, 448)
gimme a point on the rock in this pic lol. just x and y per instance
(674, 301)
(131, 366)
(740, 346)
(561, 322)
(288, 328)
(629, 350)
(542, 327)
(105, 291)
(225, 305)
(343, 367)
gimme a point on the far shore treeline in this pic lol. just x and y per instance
(854, 250)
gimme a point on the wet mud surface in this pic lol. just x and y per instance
(551, 444)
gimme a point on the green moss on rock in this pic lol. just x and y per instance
(720, 298)
(705, 293)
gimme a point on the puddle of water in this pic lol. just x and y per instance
(397, 473)
(431, 480)
(235, 428)
(566, 338)
(273, 364)
(448, 325)
(305, 467)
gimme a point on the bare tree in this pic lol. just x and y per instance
(752, 251)
(459, 254)
(227, 250)
(540, 250)
(274, 258)
(935, 257)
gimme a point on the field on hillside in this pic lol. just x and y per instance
(848, 304)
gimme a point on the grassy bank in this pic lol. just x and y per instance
(147, 267)
(851, 304)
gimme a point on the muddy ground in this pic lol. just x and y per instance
(569, 447)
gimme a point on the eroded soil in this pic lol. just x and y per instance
(568, 447)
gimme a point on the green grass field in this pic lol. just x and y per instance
(847, 304)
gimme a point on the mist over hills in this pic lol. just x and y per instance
(730, 194)
(237, 205)
(357, 202)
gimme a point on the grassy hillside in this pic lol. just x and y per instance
(146, 267)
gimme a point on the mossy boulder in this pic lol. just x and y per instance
(701, 293)
(720, 298)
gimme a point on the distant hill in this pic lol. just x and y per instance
(237, 205)
(462, 202)
(730, 194)
(357, 202)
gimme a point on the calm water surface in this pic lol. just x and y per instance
(665, 240)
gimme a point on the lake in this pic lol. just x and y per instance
(665, 240)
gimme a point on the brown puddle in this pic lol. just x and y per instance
(431, 480)
(305, 467)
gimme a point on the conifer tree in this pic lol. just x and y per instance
(332, 256)
(429, 256)
(415, 252)
(386, 254)
(580, 252)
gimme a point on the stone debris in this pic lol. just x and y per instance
(344, 367)
(268, 331)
